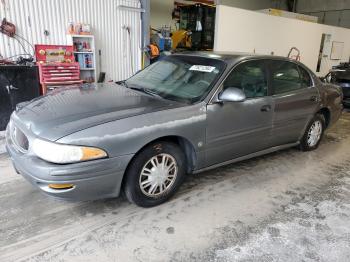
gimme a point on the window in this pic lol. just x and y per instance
(285, 77)
(305, 78)
(250, 77)
(180, 78)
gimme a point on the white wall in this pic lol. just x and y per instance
(32, 17)
(241, 30)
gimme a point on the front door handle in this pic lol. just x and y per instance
(265, 108)
(314, 99)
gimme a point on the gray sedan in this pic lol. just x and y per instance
(187, 113)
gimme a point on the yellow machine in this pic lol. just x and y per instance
(181, 39)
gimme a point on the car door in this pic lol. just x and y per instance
(236, 129)
(295, 98)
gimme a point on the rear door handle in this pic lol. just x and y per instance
(265, 108)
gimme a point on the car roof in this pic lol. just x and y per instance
(231, 57)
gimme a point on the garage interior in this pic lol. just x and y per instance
(284, 206)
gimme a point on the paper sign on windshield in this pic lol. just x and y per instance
(202, 68)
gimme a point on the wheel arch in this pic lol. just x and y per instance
(185, 145)
(326, 114)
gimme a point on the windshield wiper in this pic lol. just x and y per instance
(141, 89)
(123, 82)
(145, 90)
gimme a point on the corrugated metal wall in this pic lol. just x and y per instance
(121, 54)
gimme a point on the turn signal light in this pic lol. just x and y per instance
(92, 153)
(61, 186)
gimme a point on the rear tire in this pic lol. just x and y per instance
(313, 134)
(155, 174)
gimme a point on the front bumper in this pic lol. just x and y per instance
(92, 179)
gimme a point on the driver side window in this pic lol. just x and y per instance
(250, 77)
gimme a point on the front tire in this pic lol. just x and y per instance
(155, 174)
(313, 134)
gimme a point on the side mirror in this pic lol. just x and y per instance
(327, 78)
(232, 94)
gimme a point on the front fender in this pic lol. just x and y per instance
(129, 135)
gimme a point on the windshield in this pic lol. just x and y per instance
(180, 78)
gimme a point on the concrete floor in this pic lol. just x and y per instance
(2, 142)
(286, 206)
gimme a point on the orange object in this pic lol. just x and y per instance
(93, 153)
(181, 37)
(61, 186)
(154, 50)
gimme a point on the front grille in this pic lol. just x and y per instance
(19, 139)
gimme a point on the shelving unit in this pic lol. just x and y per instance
(85, 55)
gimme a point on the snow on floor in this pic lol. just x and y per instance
(317, 228)
(2, 142)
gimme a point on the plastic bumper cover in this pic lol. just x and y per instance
(91, 180)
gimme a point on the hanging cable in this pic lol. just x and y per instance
(21, 44)
(25, 40)
(127, 29)
(7, 58)
(131, 53)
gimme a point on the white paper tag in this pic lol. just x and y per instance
(202, 68)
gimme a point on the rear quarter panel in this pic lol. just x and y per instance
(331, 98)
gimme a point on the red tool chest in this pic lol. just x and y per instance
(57, 66)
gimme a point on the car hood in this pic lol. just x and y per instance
(72, 109)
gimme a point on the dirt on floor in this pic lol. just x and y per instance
(285, 206)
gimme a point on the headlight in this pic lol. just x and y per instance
(64, 154)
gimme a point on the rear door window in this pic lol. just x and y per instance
(305, 77)
(285, 77)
